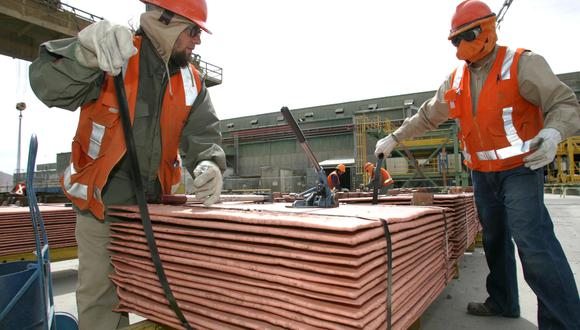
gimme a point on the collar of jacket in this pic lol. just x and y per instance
(163, 36)
(148, 50)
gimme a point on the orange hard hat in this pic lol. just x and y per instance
(341, 167)
(468, 15)
(193, 10)
(369, 167)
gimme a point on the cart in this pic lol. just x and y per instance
(26, 301)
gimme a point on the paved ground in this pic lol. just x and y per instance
(449, 310)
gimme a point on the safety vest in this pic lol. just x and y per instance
(99, 143)
(498, 137)
(329, 179)
(385, 177)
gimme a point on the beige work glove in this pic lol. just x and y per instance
(105, 46)
(208, 180)
(385, 146)
(546, 145)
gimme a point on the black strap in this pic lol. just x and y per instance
(166, 17)
(446, 243)
(140, 195)
(389, 272)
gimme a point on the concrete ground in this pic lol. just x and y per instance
(448, 311)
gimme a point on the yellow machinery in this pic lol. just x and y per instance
(567, 167)
(363, 124)
(431, 143)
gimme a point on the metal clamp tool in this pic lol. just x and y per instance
(320, 195)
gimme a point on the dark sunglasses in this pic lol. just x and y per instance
(194, 31)
(468, 35)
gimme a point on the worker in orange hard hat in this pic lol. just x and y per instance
(171, 114)
(334, 177)
(512, 112)
(386, 179)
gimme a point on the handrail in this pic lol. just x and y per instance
(63, 7)
(210, 71)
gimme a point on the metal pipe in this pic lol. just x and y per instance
(19, 142)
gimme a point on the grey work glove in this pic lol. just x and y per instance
(546, 145)
(208, 182)
(105, 46)
(385, 146)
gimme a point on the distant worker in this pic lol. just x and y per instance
(334, 177)
(512, 112)
(170, 109)
(386, 179)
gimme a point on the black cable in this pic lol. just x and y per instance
(389, 272)
(446, 248)
(140, 195)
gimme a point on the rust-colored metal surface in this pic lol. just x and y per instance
(268, 266)
(463, 223)
(17, 233)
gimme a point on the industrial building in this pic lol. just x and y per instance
(263, 154)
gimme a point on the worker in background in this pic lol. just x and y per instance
(170, 108)
(386, 179)
(334, 178)
(512, 112)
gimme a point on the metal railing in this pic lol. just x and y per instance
(211, 72)
(63, 7)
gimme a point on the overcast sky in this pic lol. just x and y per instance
(303, 53)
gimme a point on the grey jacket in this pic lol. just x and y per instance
(59, 80)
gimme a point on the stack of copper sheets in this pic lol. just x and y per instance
(462, 220)
(268, 266)
(17, 233)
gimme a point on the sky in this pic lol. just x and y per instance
(303, 53)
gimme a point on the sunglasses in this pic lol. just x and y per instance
(468, 35)
(194, 31)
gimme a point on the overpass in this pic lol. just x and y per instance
(25, 24)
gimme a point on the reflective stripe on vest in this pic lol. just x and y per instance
(507, 64)
(518, 147)
(189, 85)
(76, 189)
(97, 134)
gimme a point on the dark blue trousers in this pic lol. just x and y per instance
(511, 205)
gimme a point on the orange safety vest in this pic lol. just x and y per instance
(498, 137)
(385, 177)
(99, 143)
(329, 179)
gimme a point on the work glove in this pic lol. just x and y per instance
(208, 182)
(105, 46)
(545, 145)
(385, 146)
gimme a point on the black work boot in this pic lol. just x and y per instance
(481, 309)
(485, 309)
